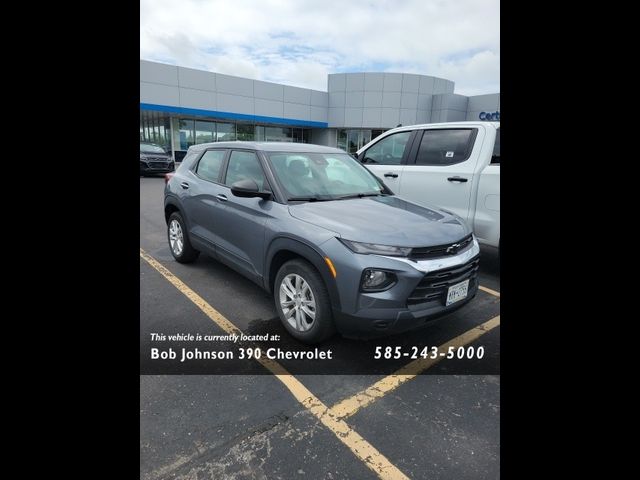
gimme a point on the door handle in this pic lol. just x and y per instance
(222, 197)
(391, 174)
(184, 185)
(457, 179)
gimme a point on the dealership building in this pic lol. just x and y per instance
(180, 107)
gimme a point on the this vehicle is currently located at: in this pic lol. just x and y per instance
(331, 242)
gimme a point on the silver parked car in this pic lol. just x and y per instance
(337, 249)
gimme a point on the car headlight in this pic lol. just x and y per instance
(375, 249)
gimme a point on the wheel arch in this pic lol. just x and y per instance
(170, 206)
(283, 249)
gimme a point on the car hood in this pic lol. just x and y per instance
(163, 156)
(384, 220)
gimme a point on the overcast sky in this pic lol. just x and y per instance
(299, 42)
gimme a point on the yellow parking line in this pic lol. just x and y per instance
(488, 290)
(362, 449)
(351, 405)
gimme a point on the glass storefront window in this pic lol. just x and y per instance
(154, 128)
(342, 139)
(376, 133)
(245, 132)
(145, 131)
(259, 133)
(226, 132)
(301, 135)
(161, 136)
(298, 135)
(156, 132)
(186, 134)
(158, 127)
(205, 131)
(364, 138)
(278, 134)
(353, 140)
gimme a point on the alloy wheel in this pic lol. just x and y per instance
(297, 302)
(176, 237)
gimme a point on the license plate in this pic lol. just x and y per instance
(457, 292)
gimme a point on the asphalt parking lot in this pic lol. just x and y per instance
(444, 424)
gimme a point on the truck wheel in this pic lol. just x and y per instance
(302, 302)
(178, 237)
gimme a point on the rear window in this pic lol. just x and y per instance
(210, 164)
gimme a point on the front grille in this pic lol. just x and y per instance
(423, 253)
(157, 165)
(434, 285)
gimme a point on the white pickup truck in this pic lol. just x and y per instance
(455, 166)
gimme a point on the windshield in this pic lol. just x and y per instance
(147, 148)
(322, 176)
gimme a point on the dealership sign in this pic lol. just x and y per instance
(490, 116)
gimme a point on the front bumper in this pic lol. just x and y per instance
(365, 325)
(156, 168)
(417, 298)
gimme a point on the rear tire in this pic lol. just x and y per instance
(303, 303)
(178, 237)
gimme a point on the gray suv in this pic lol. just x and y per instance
(308, 223)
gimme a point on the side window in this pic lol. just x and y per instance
(243, 165)
(495, 158)
(210, 164)
(445, 147)
(388, 151)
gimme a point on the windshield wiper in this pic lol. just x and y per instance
(308, 199)
(359, 195)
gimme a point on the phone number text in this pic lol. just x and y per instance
(461, 352)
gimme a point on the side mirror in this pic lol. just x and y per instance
(248, 188)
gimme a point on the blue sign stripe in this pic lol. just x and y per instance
(232, 116)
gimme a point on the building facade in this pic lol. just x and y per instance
(180, 107)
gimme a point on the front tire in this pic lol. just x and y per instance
(178, 237)
(302, 302)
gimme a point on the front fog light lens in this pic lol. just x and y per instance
(376, 279)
